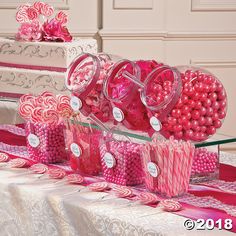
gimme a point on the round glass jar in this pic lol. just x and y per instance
(85, 80)
(122, 88)
(190, 103)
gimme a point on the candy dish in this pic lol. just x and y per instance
(167, 166)
(45, 115)
(189, 103)
(121, 161)
(205, 165)
(121, 88)
(85, 78)
(83, 149)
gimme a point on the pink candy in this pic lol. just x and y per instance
(127, 166)
(167, 166)
(45, 108)
(99, 187)
(199, 109)
(85, 80)
(51, 147)
(86, 141)
(204, 162)
(124, 94)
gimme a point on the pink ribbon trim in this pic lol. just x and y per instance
(33, 67)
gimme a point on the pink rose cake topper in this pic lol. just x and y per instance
(37, 23)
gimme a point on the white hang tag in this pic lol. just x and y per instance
(75, 149)
(118, 114)
(33, 140)
(155, 123)
(109, 160)
(75, 103)
(153, 169)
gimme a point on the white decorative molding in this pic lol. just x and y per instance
(133, 4)
(164, 35)
(214, 63)
(12, 4)
(213, 5)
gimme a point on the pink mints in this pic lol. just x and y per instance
(121, 162)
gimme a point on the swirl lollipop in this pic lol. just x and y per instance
(56, 173)
(170, 205)
(148, 198)
(74, 179)
(99, 187)
(22, 15)
(4, 157)
(18, 163)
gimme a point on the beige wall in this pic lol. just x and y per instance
(201, 32)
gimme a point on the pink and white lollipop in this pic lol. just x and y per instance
(99, 187)
(39, 168)
(50, 116)
(148, 198)
(62, 17)
(56, 173)
(123, 191)
(18, 163)
(26, 109)
(21, 14)
(46, 9)
(75, 179)
(4, 157)
(170, 205)
(32, 13)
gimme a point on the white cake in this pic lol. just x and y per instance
(21, 81)
(33, 67)
(55, 56)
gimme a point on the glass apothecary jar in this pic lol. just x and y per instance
(189, 103)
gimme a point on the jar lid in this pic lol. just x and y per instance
(117, 87)
(162, 89)
(83, 74)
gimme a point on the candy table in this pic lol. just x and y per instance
(30, 206)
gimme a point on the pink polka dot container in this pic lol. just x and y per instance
(188, 103)
(45, 142)
(121, 161)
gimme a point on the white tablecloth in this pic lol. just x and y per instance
(29, 207)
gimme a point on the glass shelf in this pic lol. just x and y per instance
(120, 130)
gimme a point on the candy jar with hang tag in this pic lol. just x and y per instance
(122, 88)
(185, 102)
(121, 160)
(85, 80)
(83, 148)
(45, 116)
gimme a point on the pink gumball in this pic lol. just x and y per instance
(217, 124)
